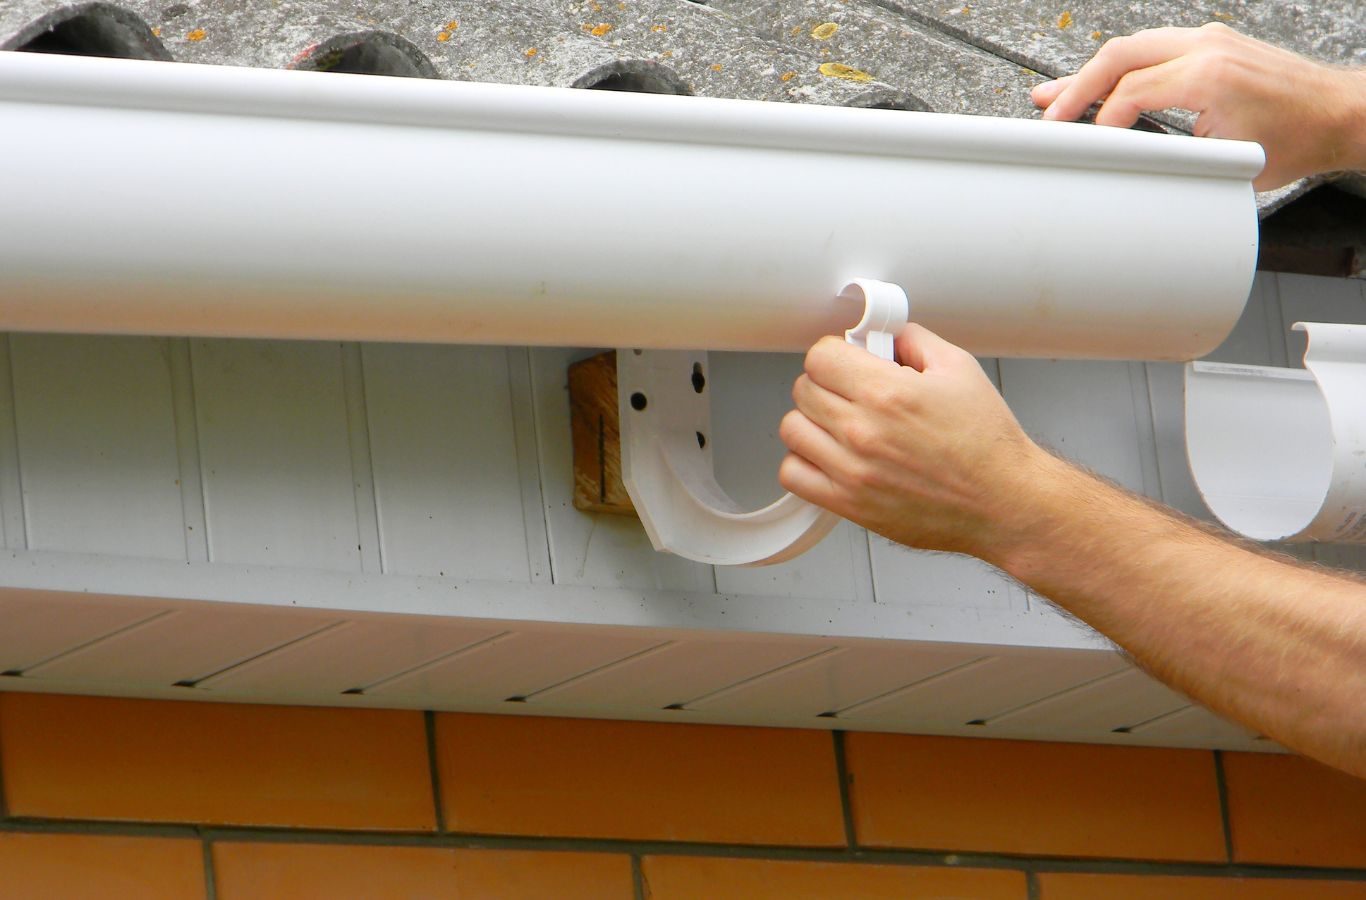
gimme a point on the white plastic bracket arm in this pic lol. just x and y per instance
(666, 457)
(1280, 454)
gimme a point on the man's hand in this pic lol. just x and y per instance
(1309, 118)
(926, 452)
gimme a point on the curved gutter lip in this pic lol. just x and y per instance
(372, 99)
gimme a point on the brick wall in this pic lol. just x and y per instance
(133, 798)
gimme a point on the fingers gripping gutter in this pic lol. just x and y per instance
(1118, 57)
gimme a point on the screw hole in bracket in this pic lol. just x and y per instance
(638, 401)
(701, 441)
(699, 381)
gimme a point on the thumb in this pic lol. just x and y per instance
(922, 349)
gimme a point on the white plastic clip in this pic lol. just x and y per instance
(885, 312)
(667, 465)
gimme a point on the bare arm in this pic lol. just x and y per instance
(928, 454)
(1309, 117)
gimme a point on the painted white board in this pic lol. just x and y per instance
(97, 444)
(184, 645)
(831, 681)
(518, 665)
(676, 673)
(350, 656)
(275, 457)
(444, 454)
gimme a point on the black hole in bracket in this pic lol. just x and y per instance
(699, 381)
(354, 691)
(674, 706)
(186, 684)
(638, 401)
(638, 352)
(976, 722)
(701, 441)
(827, 715)
(12, 673)
(515, 700)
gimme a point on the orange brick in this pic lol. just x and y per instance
(245, 871)
(688, 877)
(79, 866)
(1034, 798)
(214, 763)
(1286, 809)
(514, 875)
(1058, 886)
(648, 781)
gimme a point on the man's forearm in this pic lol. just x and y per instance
(1345, 133)
(1275, 645)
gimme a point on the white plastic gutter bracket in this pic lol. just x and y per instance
(1280, 454)
(666, 459)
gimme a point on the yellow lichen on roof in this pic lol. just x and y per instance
(531, 51)
(840, 70)
(600, 30)
(1065, 20)
(787, 76)
(197, 35)
(716, 67)
(659, 28)
(825, 31)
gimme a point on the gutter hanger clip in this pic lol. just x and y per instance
(666, 456)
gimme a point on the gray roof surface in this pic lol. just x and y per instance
(976, 57)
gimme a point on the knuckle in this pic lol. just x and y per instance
(1129, 83)
(1114, 45)
(1209, 68)
(865, 478)
(882, 397)
(860, 437)
(789, 426)
(816, 353)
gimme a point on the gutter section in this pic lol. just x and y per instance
(161, 198)
(1280, 454)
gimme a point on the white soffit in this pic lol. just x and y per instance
(1280, 454)
(160, 198)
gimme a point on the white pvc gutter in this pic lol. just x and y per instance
(163, 198)
(1280, 454)
(155, 198)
